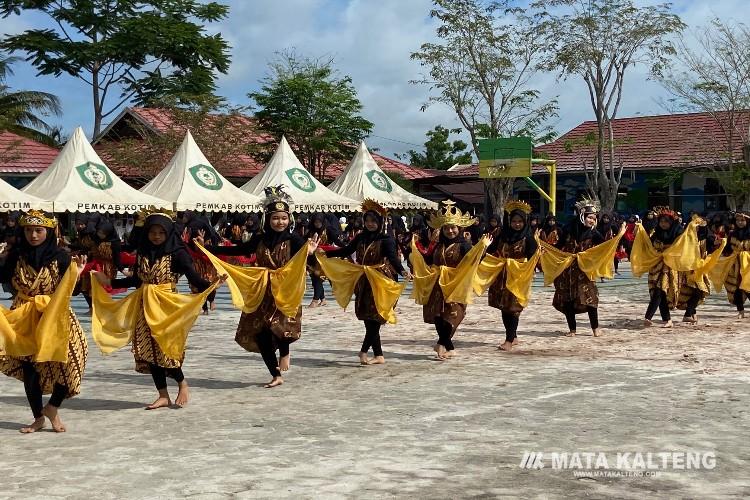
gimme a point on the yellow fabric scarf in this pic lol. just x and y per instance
(596, 262)
(248, 284)
(458, 283)
(344, 276)
(683, 255)
(169, 315)
(518, 277)
(718, 274)
(40, 327)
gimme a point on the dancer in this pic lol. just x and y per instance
(154, 318)
(585, 256)
(199, 226)
(735, 277)
(46, 349)
(271, 320)
(452, 253)
(514, 242)
(104, 249)
(327, 236)
(695, 286)
(375, 251)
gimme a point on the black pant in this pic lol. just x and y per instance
(691, 308)
(510, 321)
(617, 263)
(317, 283)
(444, 331)
(265, 340)
(211, 297)
(372, 338)
(739, 299)
(658, 300)
(159, 374)
(570, 316)
(32, 385)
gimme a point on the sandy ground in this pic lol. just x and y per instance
(414, 427)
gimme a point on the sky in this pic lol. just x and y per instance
(371, 41)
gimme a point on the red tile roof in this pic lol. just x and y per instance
(19, 155)
(644, 143)
(160, 121)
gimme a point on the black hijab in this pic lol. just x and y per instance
(326, 226)
(270, 237)
(510, 235)
(605, 226)
(548, 227)
(171, 244)
(39, 256)
(742, 233)
(198, 223)
(368, 236)
(666, 236)
(419, 227)
(252, 224)
(105, 225)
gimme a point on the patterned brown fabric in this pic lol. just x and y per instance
(436, 306)
(30, 283)
(364, 302)
(573, 286)
(267, 316)
(664, 278)
(499, 296)
(146, 350)
(734, 278)
(688, 287)
(206, 270)
(103, 254)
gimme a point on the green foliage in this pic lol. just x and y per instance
(25, 112)
(315, 109)
(439, 152)
(144, 50)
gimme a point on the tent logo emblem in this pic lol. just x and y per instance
(206, 177)
(95, 175)
(301, 179)
(379, 181)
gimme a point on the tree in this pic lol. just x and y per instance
(714, 78)
(439, 152)
(600, 41)
(226, 136)
(25, 112)
(481, 67)
(143, 49)
(316, 110)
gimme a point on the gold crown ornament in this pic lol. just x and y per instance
(742, 213)
(147, 212)
(588, 205)
(512, 205)
(37, 218)
(277, 200)
(450, 215)
(370, 205)
(663, 211)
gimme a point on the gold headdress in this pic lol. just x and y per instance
(277, 200)
(511, 205)
(662, 211)
(588, 205)
(450, 214)
(152, 210)
(37, 218)
(370, 205)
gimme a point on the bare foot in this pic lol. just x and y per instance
(690, 319)
(273, 383)
(377, 360)
(315, 303)
(50, 412)
(668, 324)
(647, 322)
(363, 359)
(740, 314)
(439, 352)
(37, 425)
(183, 396)
(213, 306)
(515, 341)
(570, 334)
(506, 346)
(597, 332)
(161, 402)
(450, 354)
(323, 302)
(205, 312)
(284, 363)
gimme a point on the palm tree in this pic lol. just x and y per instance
(24, 112)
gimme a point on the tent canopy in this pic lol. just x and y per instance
(192, 183)
(14, 199)
(79, 181)
(307, 193)
(363, 178)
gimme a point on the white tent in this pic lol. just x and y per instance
(363, 178)
(192, 183)
(13, 199)
(79, 181)
(308, 194)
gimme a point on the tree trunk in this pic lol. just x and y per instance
(498, 191)
(97, 102)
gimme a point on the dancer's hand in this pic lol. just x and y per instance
(80, 262)
(407, 274)
(102, 278)
(222, 279)
(488, 239)
(312, 244)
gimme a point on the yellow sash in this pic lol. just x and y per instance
(683, 255)
(518, 277)
(344, 276)
(40, 327)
